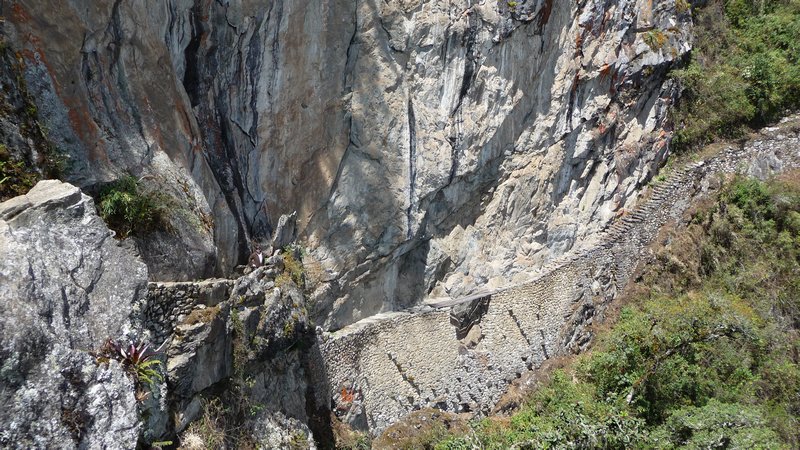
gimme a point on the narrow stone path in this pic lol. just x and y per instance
(650, 211)
(460, 354)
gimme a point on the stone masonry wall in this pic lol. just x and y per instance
(388, 365)
(168, 303)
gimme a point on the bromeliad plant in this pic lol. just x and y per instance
(138, 359)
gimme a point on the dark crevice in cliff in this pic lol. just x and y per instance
(544, 14)
(318, 387)
(191, 74)
(114, 30)
(411, 272)
(254, 65)
(388, 35)
(238, 185)
(453, 141)
(275, 7)
(412, 166)
(170, 29)
(470, 62)
(351, 56)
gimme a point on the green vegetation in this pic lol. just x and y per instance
(138, 360)
(226, 413)
(128, 209)
(241, 349)
(16, 177)
(202, 315)
(208, 431)
(705, 354)
(22, 168)
(744, 70)
(655, 39)
(298, 441)
(293, 271)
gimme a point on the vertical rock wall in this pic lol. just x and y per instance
(425, 145)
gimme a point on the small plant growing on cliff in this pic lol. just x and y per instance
(293, 267)
(241, 351)
(208, 431)
(655, 39)
(288, 328)
(136, 357)
(128, 209)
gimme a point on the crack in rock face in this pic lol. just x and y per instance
(428, 148)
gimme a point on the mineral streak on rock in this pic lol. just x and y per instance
(426, 146)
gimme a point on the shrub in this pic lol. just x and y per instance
(674, 352)
(283, 279)
(293, 265)
(293, 270)
(655, 39)
(128, 209)
(744, 70)
(720, 425)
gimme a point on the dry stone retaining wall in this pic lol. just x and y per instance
(388, 365)
(168, 303)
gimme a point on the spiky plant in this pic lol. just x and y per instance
(137, 358)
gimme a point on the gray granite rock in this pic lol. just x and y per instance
(65, 287)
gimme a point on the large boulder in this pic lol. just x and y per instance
(65, 287)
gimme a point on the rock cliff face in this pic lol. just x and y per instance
(425, 145)
(65, 287)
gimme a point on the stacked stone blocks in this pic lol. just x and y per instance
(169, 303)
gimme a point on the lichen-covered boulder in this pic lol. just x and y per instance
(65, 287)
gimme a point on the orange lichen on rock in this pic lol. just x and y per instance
(18, 13)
